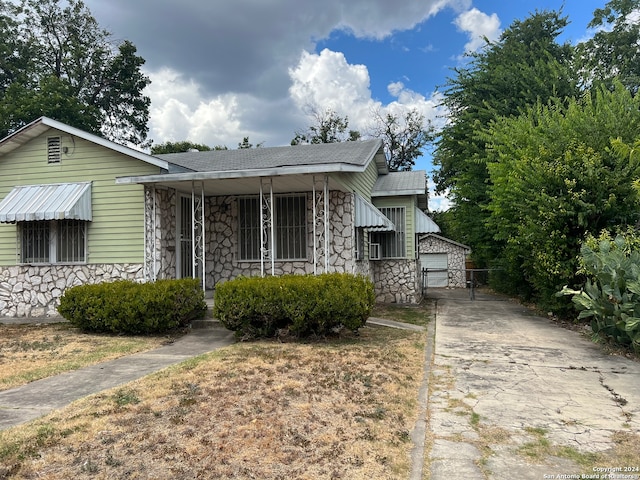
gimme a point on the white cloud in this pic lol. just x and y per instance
(478, 25)
(327, 80)
(181, 110)
(215, 82)
(437, 202)
(247, 46)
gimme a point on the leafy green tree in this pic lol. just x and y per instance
(403, 137)
(51, 49)
(51, 97)
(524, 66)
(328, 127)
(247, 144)
(558, 173)
(181, 147)
(613, 53)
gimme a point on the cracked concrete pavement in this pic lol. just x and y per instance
(503, 378)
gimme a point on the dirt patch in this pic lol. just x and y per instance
(340, 408)
(32, 352)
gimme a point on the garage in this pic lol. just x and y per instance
(437, 265)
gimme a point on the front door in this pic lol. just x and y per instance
(185, 235)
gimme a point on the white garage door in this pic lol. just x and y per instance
(436, 261)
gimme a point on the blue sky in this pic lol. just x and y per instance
(224, 70)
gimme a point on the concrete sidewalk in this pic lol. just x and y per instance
(38, 398)
(506, 380)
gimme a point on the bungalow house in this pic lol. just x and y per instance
(76, 208)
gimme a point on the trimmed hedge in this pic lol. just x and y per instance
(128, 307)
(303, 304)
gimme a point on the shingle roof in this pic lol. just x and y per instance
(346, 153)
(400, 183)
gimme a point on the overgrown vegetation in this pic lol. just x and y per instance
(303, 305)
(128, 307)
(541, 149)
(611, 294)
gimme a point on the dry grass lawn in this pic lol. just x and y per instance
(32, 352)
(340, 408)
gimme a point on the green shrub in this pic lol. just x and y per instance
(611, 294)
(125, 306)
(303, 304)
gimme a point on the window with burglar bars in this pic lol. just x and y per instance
(392, 244)
(53, 242)
(71, 241)
(249, 229)
(35, 242)
(290, 225)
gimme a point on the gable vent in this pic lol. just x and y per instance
(54, 149)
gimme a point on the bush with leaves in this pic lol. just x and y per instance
(128, 307)
(611, 294)
(302, 304)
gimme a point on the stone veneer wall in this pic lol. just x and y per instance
(456, 256)
(222, 238)
(160, 235)
(35, 291)
(396, 281)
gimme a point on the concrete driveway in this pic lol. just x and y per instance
(510, 389)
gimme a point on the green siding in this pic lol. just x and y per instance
(361, 183)
(409, 202)
(116, 234)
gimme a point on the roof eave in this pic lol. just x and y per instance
(43, 124)
(397, 193)
(231, 174)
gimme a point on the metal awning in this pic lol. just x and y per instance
(368, 216)
(58, 201)
(424, 224)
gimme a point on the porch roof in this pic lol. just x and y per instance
(346, 156)
(237, 172)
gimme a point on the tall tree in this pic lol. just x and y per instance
(328, 127)
(403, 137)
(614, 50)
(524, 66)
(557, 174)
(51, 50)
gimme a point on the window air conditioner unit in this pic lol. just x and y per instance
(374, 251)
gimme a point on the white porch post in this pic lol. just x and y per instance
(154, 275)
(262, 239)
(203, 243)
(326, 223)
(197, 234)
(320, 222)
(267, 226)
(145, 267)
(315, 232)
(193, 231)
